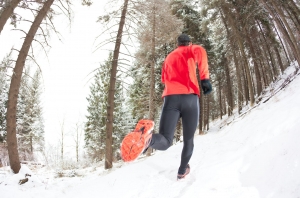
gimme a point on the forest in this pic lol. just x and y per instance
(249, 44)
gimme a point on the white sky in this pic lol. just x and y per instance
(256, 156)
(71, 64)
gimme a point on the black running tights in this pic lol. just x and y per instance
(185, 106)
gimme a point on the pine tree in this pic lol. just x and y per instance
(30, 121)
(139, 92)
(3, 101)
(21, 117)
(121, 117)
(95, 127)
(4, 65)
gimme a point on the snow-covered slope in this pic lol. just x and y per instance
(256, 156)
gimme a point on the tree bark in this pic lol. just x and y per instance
(295, 10)
(237, 67)
(152, 75)
(220, 99)
(283, 47)
(207, 112)
(246, 90)
(62, 144)
(111, 94)
(265, 57)
(239, 82)
(242, 50)
(152, 69)
(14, 88)
(263, 73)
(294, 19)
(254, 58)
(178, 130)
(201, 116)
(283, 28)
(7, 11)
(288, 28)
(228, 85)
(279, 59)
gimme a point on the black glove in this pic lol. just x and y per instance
(206, 86)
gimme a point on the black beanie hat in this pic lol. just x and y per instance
(183, 39)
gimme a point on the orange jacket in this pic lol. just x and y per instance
(179, 70)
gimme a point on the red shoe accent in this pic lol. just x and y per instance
(187, 171)
(136, 141)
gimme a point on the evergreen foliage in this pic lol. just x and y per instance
(30, 122)
(4, 80)
(95, 127)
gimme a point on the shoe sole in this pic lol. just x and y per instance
(133, 143)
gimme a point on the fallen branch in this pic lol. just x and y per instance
(23, 181)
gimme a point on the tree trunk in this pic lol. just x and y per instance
(285, 32)
(283, 47)
(265, 57)
(239, 82)
(295, 10)
(254, 59)
(279, 59)
(31, 146)
(7, 11)
(152, 73)
(294, 19)
(178, 130)
(201, 101)
(263, 73)
(237, 68)
(220, 100)
(111, 94)
(207, 112)
(152, 70)
(242, 50)
(260, 58)
(273, 65)
(62, 145)
(228, 86)
(77, 143)
(268, 48)
(224, 102)
(14, 89)
(289, 30)
(246, 91)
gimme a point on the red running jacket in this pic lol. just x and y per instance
(179, 70)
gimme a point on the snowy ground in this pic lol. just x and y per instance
(257, 155)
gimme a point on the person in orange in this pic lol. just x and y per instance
(181, 98)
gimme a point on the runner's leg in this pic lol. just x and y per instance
(190, 117)
(168, 121)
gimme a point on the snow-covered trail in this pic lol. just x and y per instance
(256, 156)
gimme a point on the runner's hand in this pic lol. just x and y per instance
(206, 86)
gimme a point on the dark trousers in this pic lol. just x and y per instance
(185, 106)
